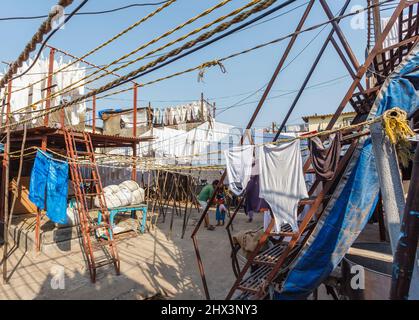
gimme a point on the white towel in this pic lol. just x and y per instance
(282, 182)
(239, 167)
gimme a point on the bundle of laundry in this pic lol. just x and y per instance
(48, 187)
(127, 193)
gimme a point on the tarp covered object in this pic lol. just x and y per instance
(355, 197)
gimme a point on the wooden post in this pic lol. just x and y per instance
(49, 85)
(94, 114)
(6, 163)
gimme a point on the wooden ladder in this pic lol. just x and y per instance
(99, 246)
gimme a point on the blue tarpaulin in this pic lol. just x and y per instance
(355, 197)
(49, 186)
(57, 191)
(38, 183)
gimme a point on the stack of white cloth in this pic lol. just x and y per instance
(128, 193)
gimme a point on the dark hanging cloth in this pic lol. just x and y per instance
(252, 201)
(325, 159)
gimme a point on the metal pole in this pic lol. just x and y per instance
(6, 165)
(49, 87)
(340, 34)
(364, 68)
(94, 114)
(309, 75)
(134, 128)
(405, 257)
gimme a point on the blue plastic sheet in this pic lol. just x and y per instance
(49, 186)
(57, 191)
(355, 198)
(38, 183)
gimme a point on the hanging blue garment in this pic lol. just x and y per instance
(38, 182)
(48, 187)
(57, 191)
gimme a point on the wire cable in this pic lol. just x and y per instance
(81, 5)
(91, 12)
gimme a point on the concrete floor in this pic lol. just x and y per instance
(151, 263)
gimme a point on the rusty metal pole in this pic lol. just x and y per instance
(309, 75)
(340, 34)
(249, 125)
(135, 95)
(364, 68)
(6, 166)
(405, 255)
(94, 114)
(134, 132)
(49, 85)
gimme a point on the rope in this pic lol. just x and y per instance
(209, 64)
(397, 129)
(44, 29)
(106, 87)
(396, 125)
(125, 31)
(72, 86)
(110, 85)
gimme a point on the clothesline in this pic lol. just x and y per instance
(387, 116)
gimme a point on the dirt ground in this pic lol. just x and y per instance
(151, 264)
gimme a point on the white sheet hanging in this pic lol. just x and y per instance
(239, 167)
(282, 182)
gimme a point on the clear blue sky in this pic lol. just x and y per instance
(244, 75)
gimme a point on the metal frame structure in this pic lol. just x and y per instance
(361, 102)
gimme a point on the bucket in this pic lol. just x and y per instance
(376, 262)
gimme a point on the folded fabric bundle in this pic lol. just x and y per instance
(325, 159)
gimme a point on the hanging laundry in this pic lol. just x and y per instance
(57, 191)
(325, 159)
(49, 186)
(38, 181)
(239, 167)
(166, 117)
(282, 182)
(253, 202)
(189, 112)
(183, 111)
